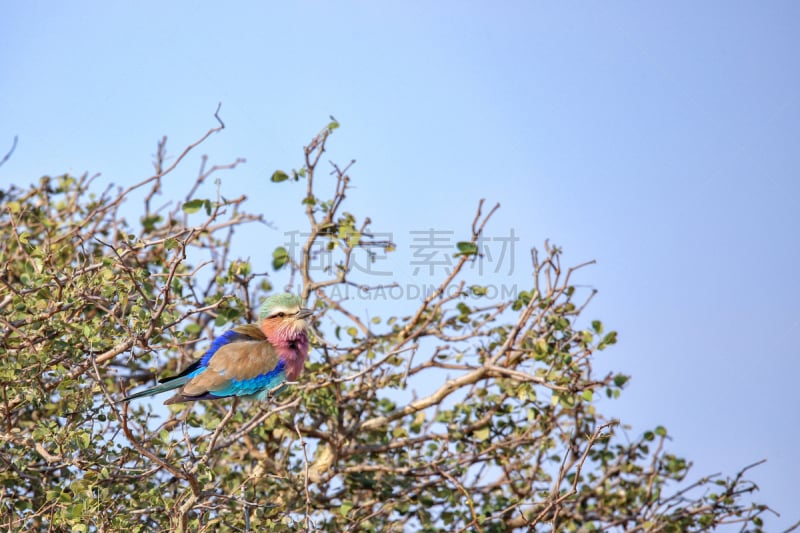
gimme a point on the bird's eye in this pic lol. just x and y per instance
(280, 315)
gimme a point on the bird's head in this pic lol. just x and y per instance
(282, 316)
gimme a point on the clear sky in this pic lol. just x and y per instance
(660, 139)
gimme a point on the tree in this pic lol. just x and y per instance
(468, 414)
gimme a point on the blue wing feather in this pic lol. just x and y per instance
(226, 338)
(262, 383)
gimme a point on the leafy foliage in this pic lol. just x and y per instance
(467, 414)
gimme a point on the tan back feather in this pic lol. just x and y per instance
(238, 360)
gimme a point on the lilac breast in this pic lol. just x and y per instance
(294, 352)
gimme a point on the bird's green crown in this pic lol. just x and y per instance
(284, 300)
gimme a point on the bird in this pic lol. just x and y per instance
(250, 360)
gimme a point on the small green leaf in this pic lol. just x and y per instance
(467, 248)
(193, 206)
(587, 395)
(608, 340)
(482, 433)
(192, 329)
(149, 222)
(279, 176)
(226, 315)
(620, 380)
(353, 238)
(661, 431)
(477, 290)
(345, 508)
(279, 257)
(419, 419)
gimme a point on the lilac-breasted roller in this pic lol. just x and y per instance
(250, 360)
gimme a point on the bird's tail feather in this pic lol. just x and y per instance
(164, 387)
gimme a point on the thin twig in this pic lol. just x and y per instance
(10, 151)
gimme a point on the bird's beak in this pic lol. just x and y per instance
(303, 313)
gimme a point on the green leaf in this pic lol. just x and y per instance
(345, 508)
(279, 257)
(467, 248)
(587, 395)
(226, 315)
(482, 434)
(419, 419)
(608, 340)
(192, 329)
(620, 380)
(661, 431)
(279, 176)
(193, 206)
(149, 222)
(477, 290)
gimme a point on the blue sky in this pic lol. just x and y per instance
(659, 139)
